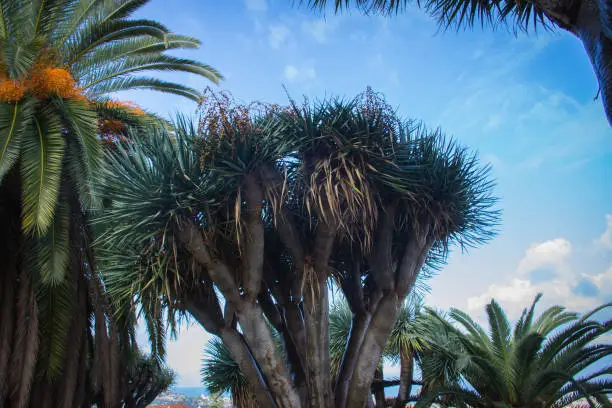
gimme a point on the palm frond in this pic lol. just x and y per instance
(147, 83)
(41, 168)
(14, 122)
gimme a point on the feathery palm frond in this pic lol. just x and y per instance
(545, 360)
(52, 120)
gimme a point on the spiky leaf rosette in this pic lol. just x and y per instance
(341, 163)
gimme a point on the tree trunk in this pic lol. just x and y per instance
(379, 393)
(372, 347)
(351, 355)
(406, 370)
(316, 309)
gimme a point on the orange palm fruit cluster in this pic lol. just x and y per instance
(11, 91)
(45, 81)
(128, 106)
(110, 127)
(42, 82)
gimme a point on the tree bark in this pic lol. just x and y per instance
(351, 355)
(591, 22)
(6, 324)
(210, 318)
(316, 310)
(405, 386)
(263, 348)
(372, 347)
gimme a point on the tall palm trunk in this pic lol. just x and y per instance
(406, 372)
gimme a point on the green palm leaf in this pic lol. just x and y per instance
(14, 121)
(54, 246)
(82, 123)
(41, 168)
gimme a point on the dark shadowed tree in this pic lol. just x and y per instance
(58, 61)
(146, 379)
(589, 20)
(242, 220)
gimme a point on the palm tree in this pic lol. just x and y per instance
(221, 374)
(147, 379)
(553, 360)
(589, 20)
(262, 205)
(59, 61)
(406, 340)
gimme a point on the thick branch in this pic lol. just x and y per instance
(295, 356)
(285, 226)
(236, 345)
(412, 260)
(254, 240)
(381, 260)
(351, 287)
(373, 345)
(204, 307)
(262, 346)
(359, 327)
(191, 237)
(316, 317)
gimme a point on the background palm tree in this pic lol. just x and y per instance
(553, 360)
(589, 20)
(221, 374)
(407, 339)
(59, 59)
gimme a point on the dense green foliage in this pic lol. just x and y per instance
(59, 61)
(551, 360)
(246, 200)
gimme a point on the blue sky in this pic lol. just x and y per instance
(525, 103)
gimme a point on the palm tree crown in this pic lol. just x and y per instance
(59, 59)
(552, 360)
(59, 62)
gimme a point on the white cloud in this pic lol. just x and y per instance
(605, 239)
(295, 74)
(317, 29)
(559, 288)
(256, 5)
(278, 35)
(553, 253)
(603, 281)
(518, 291)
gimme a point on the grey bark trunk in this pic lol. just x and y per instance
(406, 370)
(316, 310)
(372, 347)
(351, 355)
(241, 354)
(259, 339)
